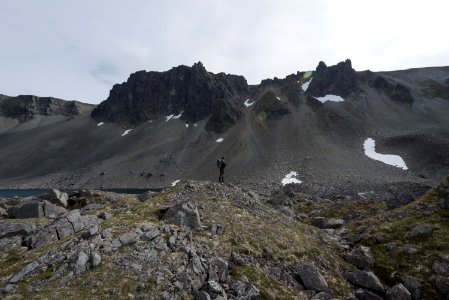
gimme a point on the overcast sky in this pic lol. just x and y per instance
(78, 49)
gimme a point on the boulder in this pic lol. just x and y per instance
(52, 210)
(95, 259)
(365, 279)
(32, 209)
(441, 266)
(9, 230)
(362, 294)
(311, 277)
(409, 249)
(8, 288)
(442, 286)
(81, 263)
(413, 285)
(420, 230)
(130, 237)
(321, 296)
(398, 292)
(239, 289)
(218, 270)
(41, 237)
(185, 214)
(334, 223)
(56, 197)
(214, 289)
(202, 295)
(105, 215)
(360, 257)
(217, 229)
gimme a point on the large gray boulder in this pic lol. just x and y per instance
(311, 277)
(25, 271)
(183, 214)
(334, 223)
(398, 292)
(360, 257)
(32, 209)
(239, 289)
(365, 279)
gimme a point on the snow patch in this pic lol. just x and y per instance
(187, 125)
(194, 125)
(332, 98)
(279, 98)
(248, 104)
(220, 140)
(394, 160)
(305, 85)
(101, 123)
(175, 182)
(126, 132)
(169, 117)
(178, 116)
(290, 178)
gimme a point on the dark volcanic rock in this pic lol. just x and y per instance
(398, 292)
(396, 91)
(270, 107)
(24, 107)
(340, 79)
(365, 279)
(192, 91)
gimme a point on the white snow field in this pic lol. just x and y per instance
(175, 182)
(248, 104)
(394, 160)
(279, 98)
(220, 140)
(305, 85)
(332, 98)
(178, 116)
(290, 178)
(126, 132)
(99, 124)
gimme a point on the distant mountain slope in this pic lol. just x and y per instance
(156, 128)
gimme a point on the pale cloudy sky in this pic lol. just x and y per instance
(78, 49)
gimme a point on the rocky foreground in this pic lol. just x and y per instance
(202, 240)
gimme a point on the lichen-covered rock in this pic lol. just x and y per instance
(183, 214)
(32, 209)
(311, 277)
(413, 285)
(398, 292)
(441, 266)
(360, 257)
(365, 279)
(9, 230)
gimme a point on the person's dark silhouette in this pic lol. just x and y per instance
(221, 163)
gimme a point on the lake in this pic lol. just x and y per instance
(9, 193)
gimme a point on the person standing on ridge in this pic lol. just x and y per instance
(221, 164)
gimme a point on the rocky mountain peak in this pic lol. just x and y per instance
(340, 79)
(190, 91)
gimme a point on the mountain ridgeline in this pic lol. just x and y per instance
(191, 92)
(160, 127)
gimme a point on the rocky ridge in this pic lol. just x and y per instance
(191, 93)
(210, 241)
(25, 107)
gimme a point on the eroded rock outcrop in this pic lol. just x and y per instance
(191, 92)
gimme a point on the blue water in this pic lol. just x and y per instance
(9, 193)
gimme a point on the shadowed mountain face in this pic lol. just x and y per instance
(159, 127)
(191, 92)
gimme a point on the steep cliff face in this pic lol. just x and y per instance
(190, 91)
(26, 107)
(340, 79)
